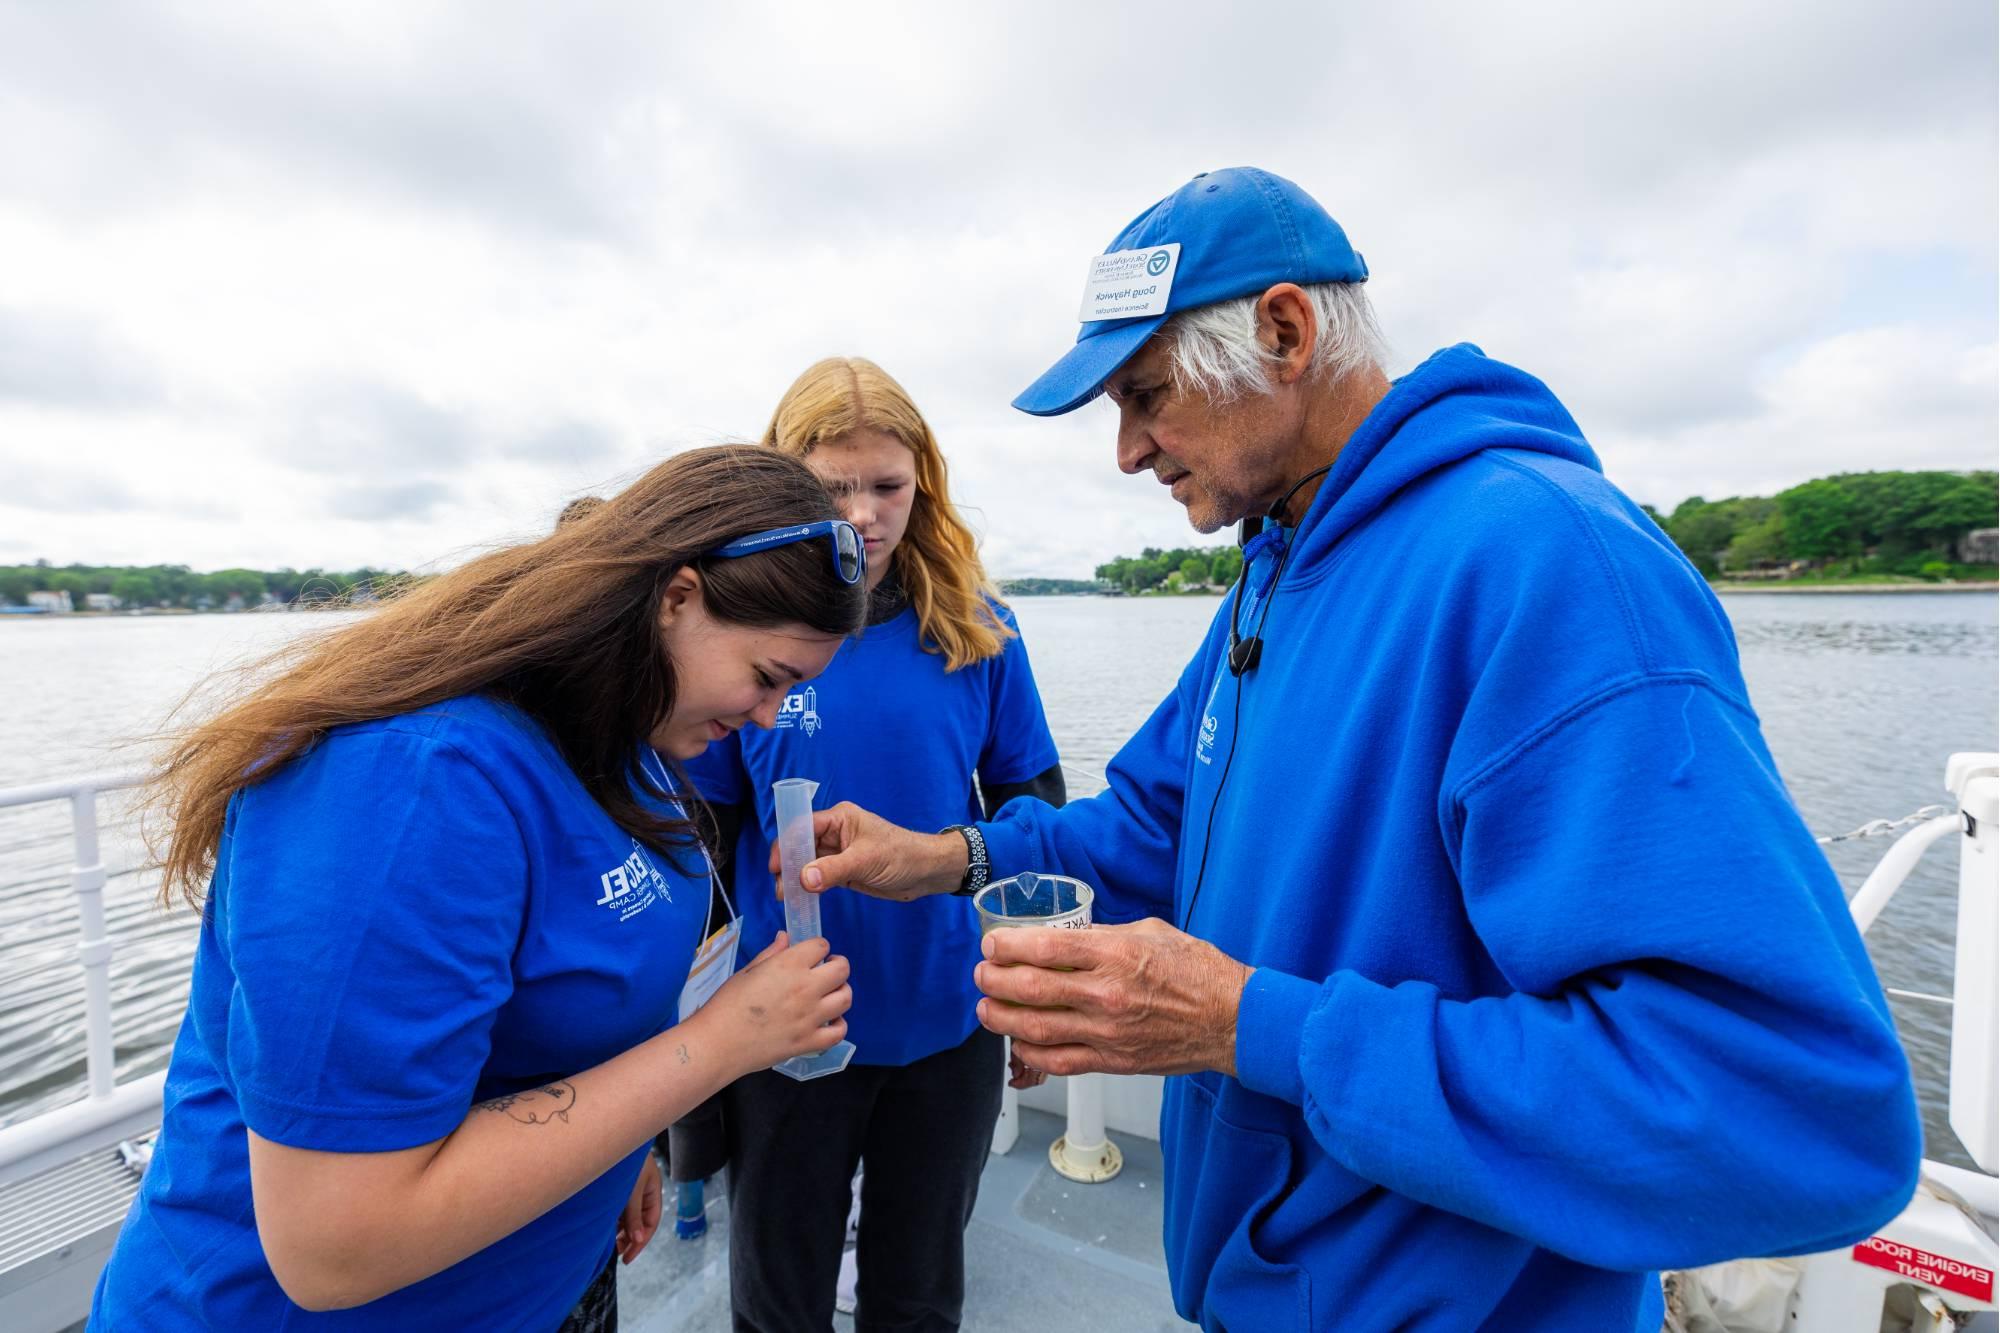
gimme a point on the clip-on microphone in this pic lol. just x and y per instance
(1243, 653)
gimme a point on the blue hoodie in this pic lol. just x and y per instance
(1553, 988)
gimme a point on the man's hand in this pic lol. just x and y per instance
(866, 852)
(1137, 999)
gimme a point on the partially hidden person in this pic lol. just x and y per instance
(932, 714)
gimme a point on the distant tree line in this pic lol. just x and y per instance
(1855, 523)
(1183, 569)
(1907, 523)
(177, 586)
(1050, 587)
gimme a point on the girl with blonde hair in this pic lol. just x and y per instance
(931, 712)
(450, 901)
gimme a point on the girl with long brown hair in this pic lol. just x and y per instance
(928, 711)
(450, 896)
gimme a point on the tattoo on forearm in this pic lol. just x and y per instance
(536, 1106)
(682, 1050)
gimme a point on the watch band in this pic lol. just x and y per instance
(977, 867)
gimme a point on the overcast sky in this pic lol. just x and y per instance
(387, 283)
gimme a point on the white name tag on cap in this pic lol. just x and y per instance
(1129, 284)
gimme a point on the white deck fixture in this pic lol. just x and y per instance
(1975, 1014)
(1083, 1153)
(1939, 1243)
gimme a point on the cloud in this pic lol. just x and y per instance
(392, 281)
(355, 425)
(60, 359)
(66, 491)
(493, 111)
(572, 441)
(1870, 399)
(384, 500)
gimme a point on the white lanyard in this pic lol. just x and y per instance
(715, 960)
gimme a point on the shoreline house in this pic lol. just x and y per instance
(51, 603)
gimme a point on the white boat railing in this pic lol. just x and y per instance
(1937, 1243)
(110, 1111)
(1974, 1108)
(1934, 1243)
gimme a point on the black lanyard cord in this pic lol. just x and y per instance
(1243, 655)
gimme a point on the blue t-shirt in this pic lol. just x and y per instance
(886, 727)
(418, 914)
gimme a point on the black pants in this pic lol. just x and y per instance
(923, 1131)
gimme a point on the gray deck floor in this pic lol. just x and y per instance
(1040, 1250)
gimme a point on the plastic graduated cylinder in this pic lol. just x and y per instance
(794, 798)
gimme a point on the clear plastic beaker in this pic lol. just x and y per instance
(794, 798)
(1031, 899)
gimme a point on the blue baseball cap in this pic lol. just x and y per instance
(1229, 233)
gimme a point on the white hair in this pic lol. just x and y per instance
(1214, 348)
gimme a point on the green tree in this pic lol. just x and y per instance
(1702, 531)
(243, 585)
(1946, 506)
(71, 582)
(1227, 566)
(135, 588)
(177, 584)
(284, 584)
(1195, 569)
(1762, 543)
(1820, 519)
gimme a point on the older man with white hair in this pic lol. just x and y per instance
(1460, 892)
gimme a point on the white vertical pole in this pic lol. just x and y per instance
(1007, 1128)
(93, 947)
(1083, 1153)
(1085, 1130)
(1975, 1013)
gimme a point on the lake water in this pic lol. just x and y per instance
(1862, 698)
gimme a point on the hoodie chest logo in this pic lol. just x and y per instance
(1204, 742)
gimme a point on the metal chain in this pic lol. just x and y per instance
(1875, 828)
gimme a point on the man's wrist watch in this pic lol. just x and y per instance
(976, 865)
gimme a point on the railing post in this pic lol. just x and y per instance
(93, 947)
(1974, 1098)
(1084, 1153)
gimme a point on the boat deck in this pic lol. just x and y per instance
(1040, 1253)
(57, 1228)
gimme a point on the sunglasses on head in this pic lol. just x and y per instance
(849, 561)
